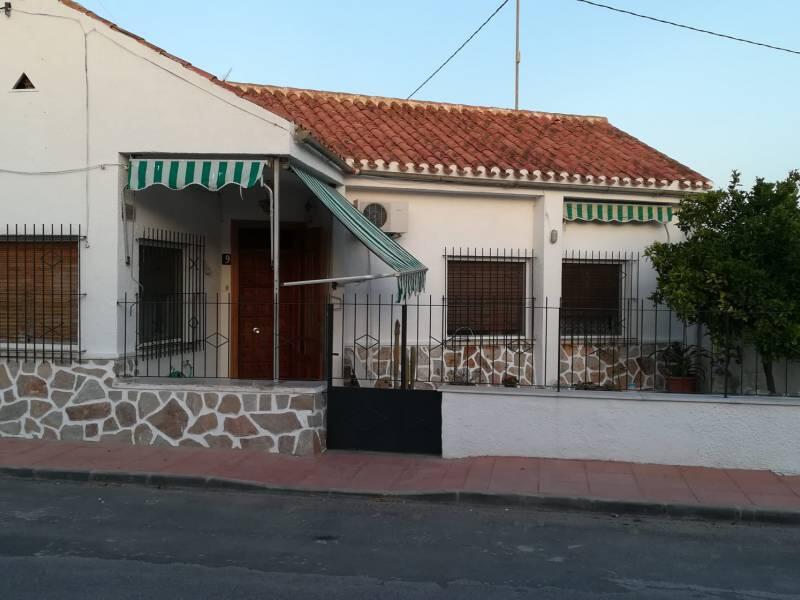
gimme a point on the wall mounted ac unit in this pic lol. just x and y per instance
(391, 217)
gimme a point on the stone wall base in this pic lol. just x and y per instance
(431, 368)
(87, 402)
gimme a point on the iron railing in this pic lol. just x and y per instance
(209, 337)
(371, 341)
(375, 341)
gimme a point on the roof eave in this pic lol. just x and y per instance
(484, 174)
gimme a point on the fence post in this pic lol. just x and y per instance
(125, 336)
(403, 346)
(727, 352)
(558, 349)
(329, 343)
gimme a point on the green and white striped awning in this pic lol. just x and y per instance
(617, 213)
(177, 174)
(410, 272)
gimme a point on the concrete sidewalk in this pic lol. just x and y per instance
(594, 485)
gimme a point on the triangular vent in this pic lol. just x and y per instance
(24, 83)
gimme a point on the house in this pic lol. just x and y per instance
(197, 262)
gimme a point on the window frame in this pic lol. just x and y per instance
(627, 296)
(192, 322)
(167, 340)
(43, 296)
(523, 331)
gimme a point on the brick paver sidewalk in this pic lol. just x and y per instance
(396, 474)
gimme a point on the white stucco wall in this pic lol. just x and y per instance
(504, 218)
(446, 214)
(735, 433)
(100, 96)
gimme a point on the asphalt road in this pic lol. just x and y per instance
(65, 540)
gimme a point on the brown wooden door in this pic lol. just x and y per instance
(302, 310)
(254, 348)
(302, 314)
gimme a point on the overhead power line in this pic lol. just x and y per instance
(461, 47)
(689, 27)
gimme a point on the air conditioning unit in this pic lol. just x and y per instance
(391, 217)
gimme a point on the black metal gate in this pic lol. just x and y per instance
(380, 419)
(385, 420)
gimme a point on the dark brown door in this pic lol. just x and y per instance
(254, 348)
(302, 308)
(302, 313)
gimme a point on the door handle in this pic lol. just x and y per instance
(257, 330)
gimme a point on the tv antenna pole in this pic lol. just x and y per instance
(517, 59)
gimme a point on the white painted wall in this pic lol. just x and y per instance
(711, 432)
(502, 218)
(100, 96)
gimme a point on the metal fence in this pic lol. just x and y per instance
(376, 342)
(209, 337)
(380, 342)
(641, 346)
(40, 293)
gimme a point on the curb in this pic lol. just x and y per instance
(571, 503)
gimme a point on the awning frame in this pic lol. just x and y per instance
(343, 280)
(409, 271)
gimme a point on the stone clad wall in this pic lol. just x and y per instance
(86, 402)
(610, 366)
(433, 367)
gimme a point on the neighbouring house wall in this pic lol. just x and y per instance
(438, 221)
(100, 96)
(703, 431)
(630, 238)
(85, 402)
(442, 214)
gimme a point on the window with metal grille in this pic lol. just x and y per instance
(486, 295)
(599, 293)
(39, 293)
(172, 289)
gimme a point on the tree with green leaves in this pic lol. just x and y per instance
(737, 272)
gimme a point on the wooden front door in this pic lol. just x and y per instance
(302, 309)
(254, 304)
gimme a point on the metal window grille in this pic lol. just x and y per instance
(487, 291)
(171, 298)
(40, 292)
(599, 293)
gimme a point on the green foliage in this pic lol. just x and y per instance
(738, 270)
(682, 360)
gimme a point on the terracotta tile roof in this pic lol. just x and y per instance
(372, 133)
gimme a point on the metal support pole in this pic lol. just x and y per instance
(727, 353)
(517, 60)
(276, 270)
(329, 343)
(403, 346)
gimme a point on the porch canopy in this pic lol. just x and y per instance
(177, 174)
(604, 212)
(410, 272)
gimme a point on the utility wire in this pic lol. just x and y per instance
(461, 47)
(689, 27)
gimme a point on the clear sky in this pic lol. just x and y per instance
(713, 104)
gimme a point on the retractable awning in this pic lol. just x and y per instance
(409, 271)
(177, 174)
(618, 213)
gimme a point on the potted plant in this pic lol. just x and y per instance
(682, 367)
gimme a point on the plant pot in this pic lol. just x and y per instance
(681, 385)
